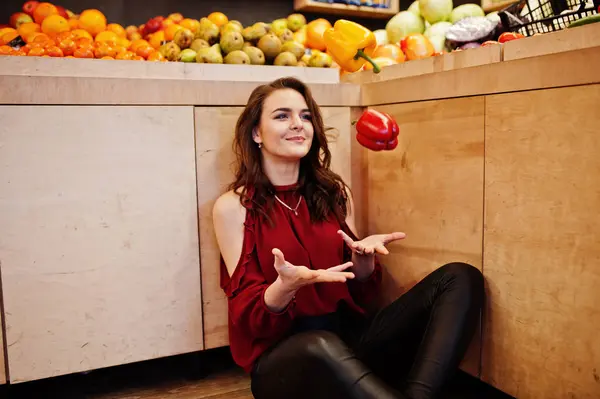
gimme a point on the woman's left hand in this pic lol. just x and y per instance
(372, 244)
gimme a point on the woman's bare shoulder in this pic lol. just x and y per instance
(228, 221)
(228, 206)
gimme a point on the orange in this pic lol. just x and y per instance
(156, 56)
(8, 37)
(157, 39)
(5, 50)
(84, 42)
(119, 49)
(27, 28)
(44, 10)
(170, 31)
(80, 33)
(69, 56)
(18, 52)
(391, 51)
(314, 34)
(137, 43)
(62, 36)
(92, 21)
(107, 37)
(138, 58)
(166, 23)
(54, 51)
(176, 17)
(135, 36)
(40, 38)
(131, 29)
(84, 53)
(123, 42)
(6, 30)
(36, 52)
(104, 50)
(191, 24)
(118, 29)
(125, 55)
(218, 18)
(73, 23)
(68, 46)
(107, 57)
(55, 24)
(144, 51)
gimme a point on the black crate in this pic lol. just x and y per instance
(529, 17)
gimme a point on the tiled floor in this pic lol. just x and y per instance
(209, 374)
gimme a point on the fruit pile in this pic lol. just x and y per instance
(216, 40)
(49, 30)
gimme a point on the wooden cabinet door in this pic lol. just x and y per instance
(431, 188)
(542, 243)
(214, 136)
(99, 242)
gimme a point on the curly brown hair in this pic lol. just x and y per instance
(324, 191)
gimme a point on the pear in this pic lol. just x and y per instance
(248, 34)
(247, 44)
(264, 27)
(270, 45)
(208, 31)
(231, 41)
(286, 59)
(295, 22)
(170, 51)
(256, 55)
(238, 23)
(279, 25)
(255, 32)
(210, 55)
(237, 57)
(295, 48)
(301, 64)
(305, 58)
(183, 38)
(320, 60)
(286, 35)
(230, 27)
(197, 44)
(187, 55)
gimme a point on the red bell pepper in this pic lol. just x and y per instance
(377, 131)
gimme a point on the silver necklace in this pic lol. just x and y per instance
(295, 210)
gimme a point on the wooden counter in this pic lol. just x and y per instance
(107, 183)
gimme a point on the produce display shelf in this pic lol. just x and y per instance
(347, 10)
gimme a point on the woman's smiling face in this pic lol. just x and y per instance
(285, 129)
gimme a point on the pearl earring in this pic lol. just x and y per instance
(259, 145)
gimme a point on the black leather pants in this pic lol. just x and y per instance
(406, 351)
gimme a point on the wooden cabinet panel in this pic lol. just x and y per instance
(542, 246)
(3, 378)
(215, 161)
(99, 243)
(430, 187)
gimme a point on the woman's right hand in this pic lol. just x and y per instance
(293, 277)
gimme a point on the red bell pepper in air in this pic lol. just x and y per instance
(377, 131)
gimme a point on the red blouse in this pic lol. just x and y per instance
(253, 328)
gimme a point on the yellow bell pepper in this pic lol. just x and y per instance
(351, 45)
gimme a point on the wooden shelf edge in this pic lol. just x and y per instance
(347, 10)
(534, 73)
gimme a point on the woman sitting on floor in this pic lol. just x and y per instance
(297, 278)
